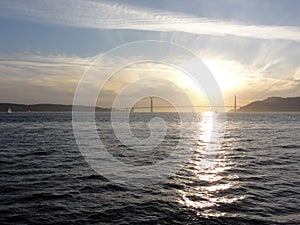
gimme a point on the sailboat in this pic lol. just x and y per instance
(9, 111)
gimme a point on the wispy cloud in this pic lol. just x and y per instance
(35, 78)
(107, 15)
(31, 78)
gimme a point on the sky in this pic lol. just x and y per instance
(251, 47)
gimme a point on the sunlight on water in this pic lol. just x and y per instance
(210, 185)
(253, 177)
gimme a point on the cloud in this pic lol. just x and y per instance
(107, 15)
(297, 74)
(27, 78)
(30, 78)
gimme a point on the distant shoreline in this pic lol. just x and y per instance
(273, 104)
(4, 107)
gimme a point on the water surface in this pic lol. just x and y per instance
(255, 177)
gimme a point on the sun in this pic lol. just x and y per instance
(225, 74)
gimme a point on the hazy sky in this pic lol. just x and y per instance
(252, 47)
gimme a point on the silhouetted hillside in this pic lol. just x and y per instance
(45, 108)
(273, 104)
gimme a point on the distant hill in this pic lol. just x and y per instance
(273, 104)
(45, 108)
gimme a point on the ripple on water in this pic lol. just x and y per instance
(252, 177)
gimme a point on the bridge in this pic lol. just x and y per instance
(152, 107)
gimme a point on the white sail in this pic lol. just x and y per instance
(9, 110)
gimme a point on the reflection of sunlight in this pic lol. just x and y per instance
(194, 204)
(210, 177)
(217, 187)
(206, 127)
(209, 186)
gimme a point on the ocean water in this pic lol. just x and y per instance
(254, 177)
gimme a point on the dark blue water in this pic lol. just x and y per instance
(255, 177)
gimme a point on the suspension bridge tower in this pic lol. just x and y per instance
(234, 105)
(151, 104)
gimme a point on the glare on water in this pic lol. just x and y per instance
(206, 190)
